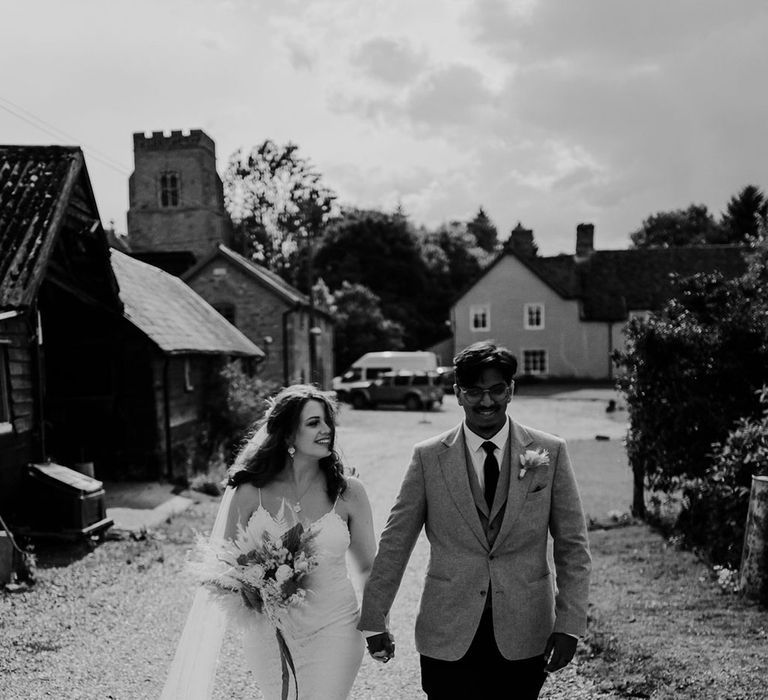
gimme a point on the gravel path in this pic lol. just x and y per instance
(104, 623)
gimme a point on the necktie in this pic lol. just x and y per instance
(490, 472)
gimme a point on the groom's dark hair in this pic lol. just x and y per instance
(469, 364)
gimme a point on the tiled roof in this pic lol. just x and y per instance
(35, 184)
(267, 278)
(613, 282)
(172, 315)
(609, 283)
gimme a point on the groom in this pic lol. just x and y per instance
(494, 618)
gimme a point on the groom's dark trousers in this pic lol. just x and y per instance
(483, 672)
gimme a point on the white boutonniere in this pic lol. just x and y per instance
(532, 459)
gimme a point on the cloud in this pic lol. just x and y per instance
(299, 56)
(391, 61)
(448, 96)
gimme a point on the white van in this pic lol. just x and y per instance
(368, 368)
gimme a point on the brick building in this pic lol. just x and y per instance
(270, 312)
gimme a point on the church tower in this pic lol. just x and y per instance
(176, 199)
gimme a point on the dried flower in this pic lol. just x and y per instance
(532, 459)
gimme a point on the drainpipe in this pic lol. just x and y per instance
(167, 420)
(610, 349)
(285, 346)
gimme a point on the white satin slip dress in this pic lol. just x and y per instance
(321, 633)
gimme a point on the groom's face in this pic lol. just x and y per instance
(485, 402)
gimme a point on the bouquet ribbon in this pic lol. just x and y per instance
(286, 661)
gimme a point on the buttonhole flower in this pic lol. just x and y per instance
(532, 459)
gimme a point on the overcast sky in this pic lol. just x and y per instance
(548, 112)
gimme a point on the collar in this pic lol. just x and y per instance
(475, 442)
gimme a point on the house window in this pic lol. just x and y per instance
(169, 189)
(534, 361)
(480, 318)
(5, 392)
(533, 316)
(188, 383)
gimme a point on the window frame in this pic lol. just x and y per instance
(528, 307)
(536, 372)
(477, 310)
(169, 194)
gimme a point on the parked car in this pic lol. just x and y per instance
(414, 390)
(372, 365)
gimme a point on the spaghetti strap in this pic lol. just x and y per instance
(260, 506)
(333, 509)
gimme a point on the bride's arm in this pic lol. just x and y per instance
(244, 501)
(362, 545)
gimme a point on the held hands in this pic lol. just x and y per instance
(381, 646)
(559, 651)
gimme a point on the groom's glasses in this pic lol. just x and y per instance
(474, 394)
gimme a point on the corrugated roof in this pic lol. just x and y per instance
(35, 183)
(172, 315)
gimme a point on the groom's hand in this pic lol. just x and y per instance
(559, 651)
(381, 646)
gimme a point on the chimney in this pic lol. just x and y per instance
(585, 240)
(521, 242)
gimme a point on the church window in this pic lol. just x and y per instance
(169, 189)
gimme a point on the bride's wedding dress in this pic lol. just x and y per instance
(321, 633)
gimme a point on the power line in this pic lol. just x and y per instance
(37, 122)
(33, 120)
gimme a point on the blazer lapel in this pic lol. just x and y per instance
(454, 467)
(518, 488)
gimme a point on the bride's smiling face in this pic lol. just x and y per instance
(314, 433)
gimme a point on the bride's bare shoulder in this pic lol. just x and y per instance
(245, 494)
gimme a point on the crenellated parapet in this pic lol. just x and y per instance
(161, 141)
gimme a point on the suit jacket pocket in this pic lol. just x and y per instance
(438, 577)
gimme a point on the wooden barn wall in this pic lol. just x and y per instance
(17, 447)
(188, 393)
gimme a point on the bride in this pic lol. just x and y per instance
(287, 473)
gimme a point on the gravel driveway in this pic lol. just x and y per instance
(104, 623)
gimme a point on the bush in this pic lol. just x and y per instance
(690, 374)
(714, 513)
(239, 402)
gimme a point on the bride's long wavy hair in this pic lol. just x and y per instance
(264, 453)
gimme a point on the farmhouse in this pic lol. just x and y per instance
(564, 315)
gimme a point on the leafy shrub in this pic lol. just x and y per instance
(714, 513)
(238, 402)
(691, 373)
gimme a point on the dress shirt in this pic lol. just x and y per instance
(477, 453)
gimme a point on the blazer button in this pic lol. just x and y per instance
(490, 556)
(482, 593)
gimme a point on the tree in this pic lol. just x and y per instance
(691, 226)
(484, 231)
(279, 207)
(381, 251)
(745, 214)
(360, 325)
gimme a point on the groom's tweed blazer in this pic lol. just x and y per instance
(529, 600)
